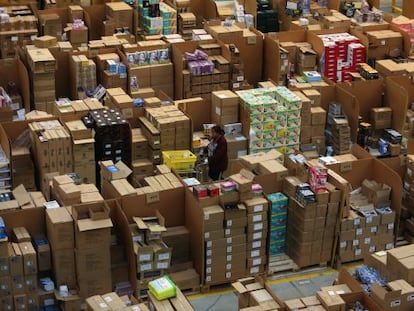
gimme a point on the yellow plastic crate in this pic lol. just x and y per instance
(179, 160)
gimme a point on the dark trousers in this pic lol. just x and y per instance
(215, 175)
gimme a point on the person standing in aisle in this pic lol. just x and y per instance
(217, 153)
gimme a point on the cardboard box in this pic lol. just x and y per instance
(111, 171)
(59, 225)
(89, 231)
(29, 258)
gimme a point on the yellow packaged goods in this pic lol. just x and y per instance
(183, 160)
(162, 288)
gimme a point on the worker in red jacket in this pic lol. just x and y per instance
(217, 153)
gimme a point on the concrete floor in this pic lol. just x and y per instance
(286, 286)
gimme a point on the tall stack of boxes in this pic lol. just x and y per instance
(224, 107)
(120, 15)
(112, 136)
(92, 248)
(18, 28)
(338, 132)
(278, 223)
(141, 163)
(42, 66)
(257, 232)
(169, 19)
(406, 25)
(213, 219)
(83, 72)
(83, 146)
(52, 147)
(153, 256)
(59, 224)
(342, 52)
(50, 25)
(237, 80)
(369, 227)
(317, 132)
(5, 174)
(313, 211)
(274, 118)
(186, 23)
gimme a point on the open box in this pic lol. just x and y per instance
(152, 226)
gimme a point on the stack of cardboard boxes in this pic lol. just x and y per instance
(318, 123)
(59, 224)
(312, 220)
(120, 16)
(42, 66)
(50, 25)
(345, 47)
(83, 72)
(257, 232)
(186, 23)
(19, 268)
(112, 136)
(153, 256)
(18, 28)
(202, 85)
(112, 73)
(92, 248)
(83, 146)
(169, 19)
(384, 43)
(52, 147)
(174, 127)
(278, 223)
(142, 161)
(272, 119)
(224, 107)
(338, 132)
(370, 225)
(5, 171)
(118, 99)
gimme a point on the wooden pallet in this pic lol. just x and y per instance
(281, 263)
(208, 288)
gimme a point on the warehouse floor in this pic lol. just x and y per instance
(285, 285)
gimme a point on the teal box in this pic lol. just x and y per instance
(278, 202)
(278, 234)
(277, 248)
(277, 220)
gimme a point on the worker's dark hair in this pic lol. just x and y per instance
(217, 129)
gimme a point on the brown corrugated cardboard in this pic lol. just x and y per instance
(29, 258)
(15, 260)
(21, 234)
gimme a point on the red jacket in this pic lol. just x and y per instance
(218, 159)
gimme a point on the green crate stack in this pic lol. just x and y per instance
(278, 221)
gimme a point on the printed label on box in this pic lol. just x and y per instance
(257, 218)
(359, 231)
(257, 235)
(144, 257)
(164, 256)
(343, 244)
(355, 242)
(229, 257)
(357, 221)
(367, 241)
(255, 253)
(258, 227)
(373, 229)
(229, 249)
(257, 244)
(390, 226)
(207, 235)
(258, 208)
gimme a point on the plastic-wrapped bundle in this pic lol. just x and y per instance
(369, 276)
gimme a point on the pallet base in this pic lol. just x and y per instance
(281, 263)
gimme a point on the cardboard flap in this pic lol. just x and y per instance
(247, 174)
(88, 224)
(21, 195)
